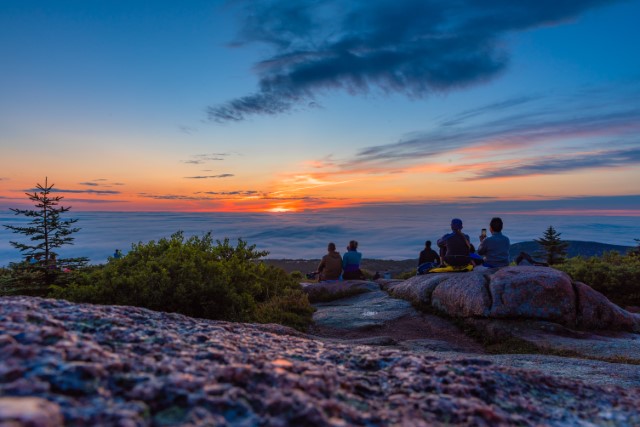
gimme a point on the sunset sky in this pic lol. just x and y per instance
(303, 105)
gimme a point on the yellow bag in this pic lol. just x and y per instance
(452, 269)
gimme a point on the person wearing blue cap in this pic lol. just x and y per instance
(455, 246)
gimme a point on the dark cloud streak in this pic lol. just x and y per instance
(61, 190)
(413, 47)
(224, 175)
(199, 159)
(554, 165)
(101, 192)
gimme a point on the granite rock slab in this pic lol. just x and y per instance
(362, 311)
(111, 365)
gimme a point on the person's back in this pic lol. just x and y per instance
(330, 267)
(455, 246)
(495, 248)
(428, 255)
(351, 262)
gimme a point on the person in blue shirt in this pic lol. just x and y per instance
(495, 248)
(351, 262)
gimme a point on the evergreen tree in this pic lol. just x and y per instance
(554, 248)
(47, 232)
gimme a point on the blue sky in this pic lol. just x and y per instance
(290, 106)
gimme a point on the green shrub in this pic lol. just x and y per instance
(407, 274)
(23, 278)
(297, 275)
(198, 278)
(366, 274)
(614, 275)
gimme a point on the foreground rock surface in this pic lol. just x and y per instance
(107, 365)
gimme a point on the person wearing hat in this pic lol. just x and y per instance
(455, 246)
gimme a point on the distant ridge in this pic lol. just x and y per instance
(576, 248)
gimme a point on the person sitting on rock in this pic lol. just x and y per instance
(330, 267)
(428, 258)
(454, 246)
(495, 248)
(351, 262)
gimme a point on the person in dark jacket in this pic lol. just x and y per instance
(330, 267)
(455, 246)
(428, 254)
(428, 258)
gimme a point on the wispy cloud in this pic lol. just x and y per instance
(224, 175)
(537, 120)
(95, 201)
(589, 128)
(187, 129)
(199, 159)
(413, 47)
(170, 197)
(527, 135)
(62, 190)
(562, 164)
(100, 182)
(230, 193)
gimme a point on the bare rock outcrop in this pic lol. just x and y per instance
(535, 293)
(110, 365)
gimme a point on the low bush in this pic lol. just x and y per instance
(614, 275)
(23, 278)
(407, 274)
(196, 277)
(297, 276)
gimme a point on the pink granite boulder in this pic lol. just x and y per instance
(541, 293)
(595, 311)
(517, 293)
(418, 289)
(463, 294)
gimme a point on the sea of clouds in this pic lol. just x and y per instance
(383, 232)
